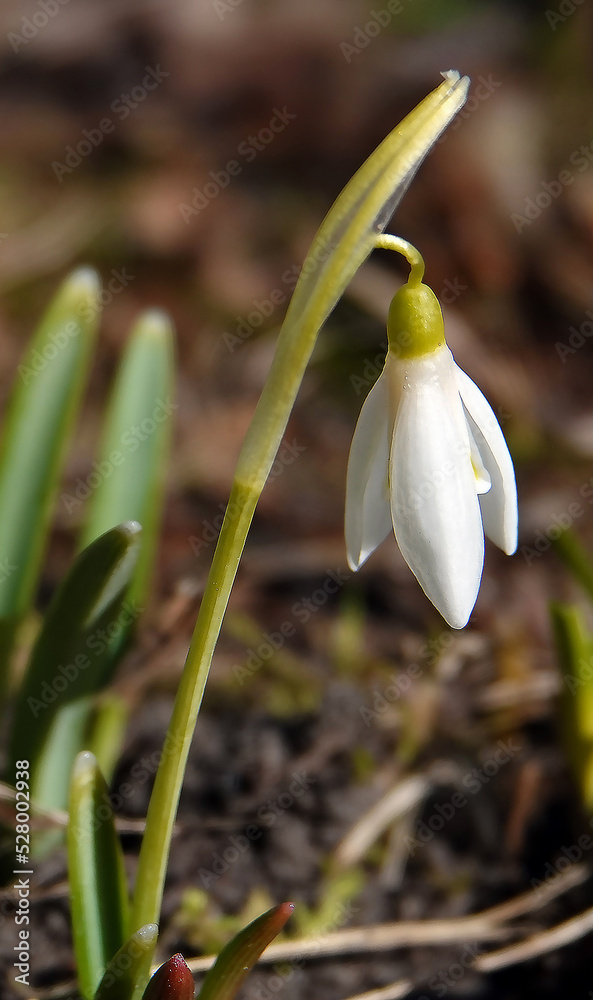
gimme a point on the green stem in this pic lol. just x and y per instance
(414, 258)
(167, 787)
(255, 461)
(347, 236)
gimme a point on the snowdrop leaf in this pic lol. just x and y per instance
(40, 417)
(69, 660)
(98, 893)
(137, 430)
(121, 976)
(237, 958)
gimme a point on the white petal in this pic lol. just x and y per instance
(499, 505)
(482, 480)
(434, 505)
(368, 515)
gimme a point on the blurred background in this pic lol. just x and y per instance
(189, 149)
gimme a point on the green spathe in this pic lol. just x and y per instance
(415, 322)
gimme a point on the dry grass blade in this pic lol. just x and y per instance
(394, 991)
(484, 926)
(538, 944)
(395, 803)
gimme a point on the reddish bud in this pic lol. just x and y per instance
(173, 981)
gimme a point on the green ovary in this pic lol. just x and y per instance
(415, 322)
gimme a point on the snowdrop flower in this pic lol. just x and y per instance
(429, 460)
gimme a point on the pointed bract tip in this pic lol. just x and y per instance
(173, 981)
(455, 80)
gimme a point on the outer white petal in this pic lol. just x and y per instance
(368, 515)
(499, 505)
(434, 505)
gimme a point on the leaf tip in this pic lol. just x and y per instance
(155, 323)
(84, 282)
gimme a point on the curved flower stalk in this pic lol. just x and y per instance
(344, 240)
(429, 459)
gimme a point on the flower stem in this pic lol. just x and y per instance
(414, 258)
(253, 467)
(346, 237)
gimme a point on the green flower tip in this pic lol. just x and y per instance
(415, 322)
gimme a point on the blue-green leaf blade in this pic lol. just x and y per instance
(98, 893)
(135, 442)
(121, 975)
(40, 416)
(70, 660)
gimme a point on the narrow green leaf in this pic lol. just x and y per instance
(119, 980)
(239, 956)
(69, 661)
(37, 427)
(135, 442)
(98, 893)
